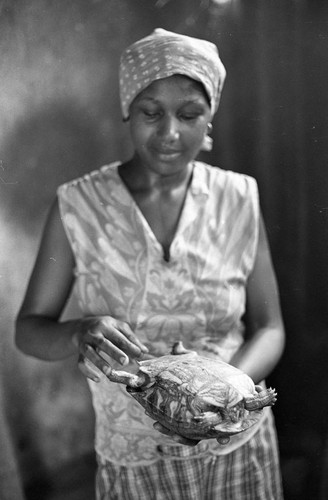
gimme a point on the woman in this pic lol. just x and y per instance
(162, 248)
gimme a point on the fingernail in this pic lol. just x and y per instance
(107, 370)
(124, 360)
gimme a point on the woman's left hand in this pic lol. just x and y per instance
(176, 437)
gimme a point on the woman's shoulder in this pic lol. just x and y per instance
(219, 178)
(87, 180)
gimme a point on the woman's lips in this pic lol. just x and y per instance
(168, 154)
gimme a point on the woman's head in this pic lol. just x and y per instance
(163, 54)
(168, 122)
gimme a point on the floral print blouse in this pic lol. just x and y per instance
(198, 296)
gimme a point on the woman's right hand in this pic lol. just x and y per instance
(100, 337)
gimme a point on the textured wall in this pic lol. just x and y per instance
(59, 118)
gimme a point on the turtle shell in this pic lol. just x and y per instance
(197, 397)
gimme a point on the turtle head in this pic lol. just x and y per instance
(133, 380)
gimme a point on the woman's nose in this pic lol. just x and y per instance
(170, 129)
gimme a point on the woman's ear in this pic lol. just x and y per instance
(207, 144)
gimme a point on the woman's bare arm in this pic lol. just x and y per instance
(39, 332)
(265, 335)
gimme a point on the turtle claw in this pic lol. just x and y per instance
(223, 439)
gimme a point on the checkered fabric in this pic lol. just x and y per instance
(249, 473)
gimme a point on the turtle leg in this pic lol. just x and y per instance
(209, 418)
(213, 420)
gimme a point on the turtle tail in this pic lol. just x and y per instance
(264, 397)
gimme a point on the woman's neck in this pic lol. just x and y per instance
(141, 179)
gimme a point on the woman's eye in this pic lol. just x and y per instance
(190, 115)
(151, 114)
(187, 116)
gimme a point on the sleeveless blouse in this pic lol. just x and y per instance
(197, 297)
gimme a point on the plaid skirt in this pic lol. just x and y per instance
(251, 472)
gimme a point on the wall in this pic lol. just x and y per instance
(60, 118)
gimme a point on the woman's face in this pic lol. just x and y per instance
(168, 121)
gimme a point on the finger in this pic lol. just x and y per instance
(114, 343)
(96, 339)
(112, 338)
(126, 330)
(124, 341)
(87, 370)
(107, 351)
(99, 362)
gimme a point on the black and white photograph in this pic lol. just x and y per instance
(163, 250)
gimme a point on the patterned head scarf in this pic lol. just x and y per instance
(163, 54)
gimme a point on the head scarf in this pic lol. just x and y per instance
(163, 54)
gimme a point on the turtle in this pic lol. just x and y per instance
(195, 396)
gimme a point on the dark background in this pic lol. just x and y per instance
(60, 117)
